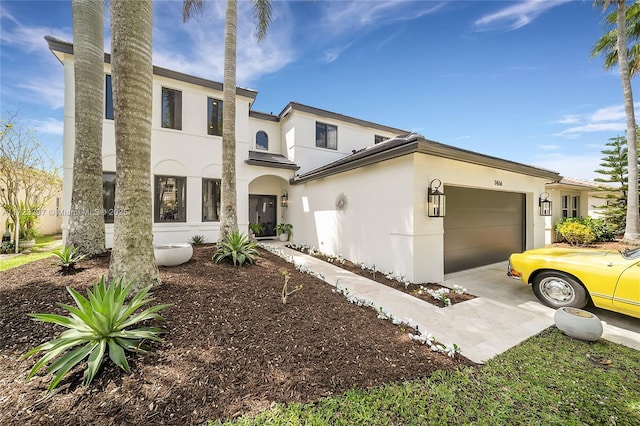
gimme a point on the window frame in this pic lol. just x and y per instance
(180, 199)
(108, 206)
(211, 130)
(323, 142)
(108, 98)
(217, 199)
(266, 136)
(171, 115)
(570, 206)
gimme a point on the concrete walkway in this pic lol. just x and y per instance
(504, 314)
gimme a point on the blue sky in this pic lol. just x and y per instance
(509, 79)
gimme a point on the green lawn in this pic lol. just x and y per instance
(39, 251)
(550, 379)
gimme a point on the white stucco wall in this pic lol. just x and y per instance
(299, 132)
(189, 152)
(385, 222)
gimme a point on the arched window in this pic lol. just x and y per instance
(262, 140)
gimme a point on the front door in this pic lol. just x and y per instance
(262, 210)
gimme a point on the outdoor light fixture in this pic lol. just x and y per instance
(545, 204)
(436, 200)
(284, 201)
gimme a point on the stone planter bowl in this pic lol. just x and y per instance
(172, 254)
(578, 323)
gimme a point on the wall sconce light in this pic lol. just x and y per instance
(436, 200)
(545, 204)
(284, 200)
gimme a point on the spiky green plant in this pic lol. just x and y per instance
(98, 323)
(238, 247)
(67, 257)
(197, 240)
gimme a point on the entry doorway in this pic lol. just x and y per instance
(262, 210)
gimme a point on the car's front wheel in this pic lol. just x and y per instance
(559, 290)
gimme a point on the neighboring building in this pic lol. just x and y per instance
(350, 186)
(49, 220)
(575, 198)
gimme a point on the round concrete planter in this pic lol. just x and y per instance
(172, 254)
(578, 323)
(283, 237)
(26, 244)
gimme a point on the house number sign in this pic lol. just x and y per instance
(497, 182)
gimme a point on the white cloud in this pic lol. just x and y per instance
(197, 46)
(50, 126)
(331, 55)
(612, 113)
(549, 147)
(350, 17)
(30, 39)
(568, 119)
(595, 127)
(516, 15)
(574, 166)
(611, 119)
(46, 90)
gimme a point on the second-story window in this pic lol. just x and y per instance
(326, 136)
(171, 109)
(108, 98)
(214, 117)
(262, 140)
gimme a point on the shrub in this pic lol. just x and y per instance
(7, 247)
(197, 240)
(99, 323)
(238, 247)
(256, 228)
(576, 233)
(68, 256)
(284, 228)
(602, 231)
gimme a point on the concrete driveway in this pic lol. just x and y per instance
(504, 314)
(520, 312)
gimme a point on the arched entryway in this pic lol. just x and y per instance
(266, 207)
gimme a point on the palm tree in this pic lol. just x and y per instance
(632, 227)
(607, 45)
(262, 11)
(132, 70)
(86, 224)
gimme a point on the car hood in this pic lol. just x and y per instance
(571, 252)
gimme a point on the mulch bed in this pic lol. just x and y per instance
(416, 290)
(231, 348)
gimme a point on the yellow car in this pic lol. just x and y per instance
(572, 277)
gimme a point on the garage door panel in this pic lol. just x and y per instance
(482, 237)
(481, 227)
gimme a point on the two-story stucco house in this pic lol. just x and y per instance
(347, 185)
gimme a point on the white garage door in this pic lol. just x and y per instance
(481, 227)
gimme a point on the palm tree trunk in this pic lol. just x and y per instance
(86, 222)
(132, 256)
(632, 228)
(229, 219)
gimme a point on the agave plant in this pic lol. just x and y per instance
(238, 247)
(67, 257)
(197, 240)
(98, 323)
